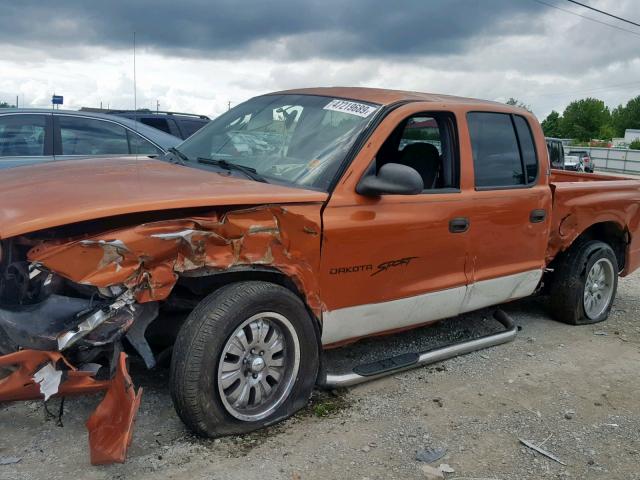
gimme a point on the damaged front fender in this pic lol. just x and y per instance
(148, 258)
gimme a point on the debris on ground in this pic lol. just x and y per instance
(445, 468)
(541, 451)
(430, 455)
(431, 473)
(9, 460)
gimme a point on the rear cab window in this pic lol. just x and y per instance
(504, 154)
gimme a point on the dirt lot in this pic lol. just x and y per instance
(576, 389)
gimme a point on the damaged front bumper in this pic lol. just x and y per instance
(40, 374)
(44, 336)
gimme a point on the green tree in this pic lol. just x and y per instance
(517, 103)
(551, 125)
(6, 105)
(635, 145)
(584, 119)
(627, 116)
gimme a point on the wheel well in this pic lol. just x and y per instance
(190, 290)
(612, 234)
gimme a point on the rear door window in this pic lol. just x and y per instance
(22, 135)
(503, 151)
(527, 148)
(88, 136)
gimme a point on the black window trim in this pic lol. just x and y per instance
(515, 131)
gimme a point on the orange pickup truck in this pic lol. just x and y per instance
(296, 222)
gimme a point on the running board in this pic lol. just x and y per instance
(381, 368)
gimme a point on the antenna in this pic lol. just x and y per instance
(135, 93)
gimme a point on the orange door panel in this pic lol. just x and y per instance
(389, 262)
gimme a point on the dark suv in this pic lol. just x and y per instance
(556, 152)
(181, 125)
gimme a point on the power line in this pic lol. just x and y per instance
(586, 18)
(605, 13)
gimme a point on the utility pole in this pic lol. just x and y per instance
(157, 105)
(17, 102)
(229, 105)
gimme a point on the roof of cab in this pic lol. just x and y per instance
(383, 96)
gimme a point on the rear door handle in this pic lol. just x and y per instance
(538, 215)
(459, 225)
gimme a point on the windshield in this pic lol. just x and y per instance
(292, 139)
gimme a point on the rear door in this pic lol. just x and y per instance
(509, 211)
(25, 138)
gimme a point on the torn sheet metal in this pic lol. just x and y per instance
(20, 383)
(148, 258)
(41, 375)
(111, 424)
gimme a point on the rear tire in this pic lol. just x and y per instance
(585, 283)
(246, 357)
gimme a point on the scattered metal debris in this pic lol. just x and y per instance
(430, 455)
(541, 451)
(49, 380)
(9, 460)
(600, 333)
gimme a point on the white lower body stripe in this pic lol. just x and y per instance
(362, 320)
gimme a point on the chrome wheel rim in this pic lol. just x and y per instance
(258, 366)
(598, 288)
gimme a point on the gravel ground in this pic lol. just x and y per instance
(574, 389)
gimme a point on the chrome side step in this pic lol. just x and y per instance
(371, 371)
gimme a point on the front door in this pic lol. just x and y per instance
(396, 261)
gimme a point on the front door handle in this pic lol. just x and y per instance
(538, 215)
(459, 225)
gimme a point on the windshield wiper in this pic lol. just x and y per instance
(248, 171)
(179, 155)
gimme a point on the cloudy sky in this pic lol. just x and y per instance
(198, 55)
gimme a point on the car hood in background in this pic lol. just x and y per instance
(59, 193)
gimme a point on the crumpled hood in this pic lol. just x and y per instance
(59, 193)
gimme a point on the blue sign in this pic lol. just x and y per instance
(57, 99)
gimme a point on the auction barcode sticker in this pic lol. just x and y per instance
(354, 108)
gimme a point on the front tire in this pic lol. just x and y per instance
(585, 283)
(246, 357)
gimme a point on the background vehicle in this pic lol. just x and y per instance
(181, 125)
(30, 136)
(585, 159)
(556, 152)
(300, 221)
(573, 163)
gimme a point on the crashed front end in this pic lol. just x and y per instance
(71, 303)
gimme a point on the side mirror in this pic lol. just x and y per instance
(392, 179)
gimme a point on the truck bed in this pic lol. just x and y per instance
(581, 200)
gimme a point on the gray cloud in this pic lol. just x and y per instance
(287, 29)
